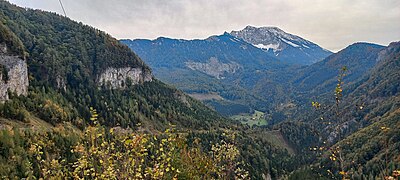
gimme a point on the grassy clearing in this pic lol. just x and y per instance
(204, 97)
(36, 124)
(257, 118)
(276, 138)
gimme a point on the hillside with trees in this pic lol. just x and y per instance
(94, 110)
(65, 59)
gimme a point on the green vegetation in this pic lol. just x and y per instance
(65, 59)
(257, 118)
(364, 148)
(100, 153)
(372, 152)
(10, 40)
(153, 131)
(4, 73)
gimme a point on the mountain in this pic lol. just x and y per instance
(359, 58)
(73, 67)
(317, 81)
(230, 72)
(216, 56)
(75, 100)
(284, 46)
(218, 69)
(226, 80)
(77, 103)
(375, 82)
(369, 122)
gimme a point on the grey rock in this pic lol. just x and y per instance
(116, 77)
(17, 72)
(61, 83)
(214, 68)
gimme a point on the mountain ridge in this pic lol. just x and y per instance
(260, 78)
(285, 46)
(219, 60)
(358, 58)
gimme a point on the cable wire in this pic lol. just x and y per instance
(65, 14)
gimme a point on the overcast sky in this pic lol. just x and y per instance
(333, 24)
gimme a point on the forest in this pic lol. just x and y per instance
(68, 126)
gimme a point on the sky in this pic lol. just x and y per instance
(333, 24)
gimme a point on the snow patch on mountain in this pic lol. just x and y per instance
(274, 47)
(290, 43)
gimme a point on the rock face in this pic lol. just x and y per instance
(14, 77)
(284, 46)
(61, 84)
(214, 68)
(116, 77)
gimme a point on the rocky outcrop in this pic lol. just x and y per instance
(388, 50)
(117, 77)
(214, 68)
(61, 84)
(14, 75)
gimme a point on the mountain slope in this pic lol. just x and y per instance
(223, 65)
(372, 151)
(359, 58)
(81, 79)
(290, 91)
(232, 54)
(73, 67)
(279, 91)
(284, 46)
(69, 77)
(13, 67)
(229, 73)
(317, 82)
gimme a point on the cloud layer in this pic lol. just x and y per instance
(331, 24)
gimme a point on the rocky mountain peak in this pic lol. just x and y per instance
(272, 37)
(283, 45)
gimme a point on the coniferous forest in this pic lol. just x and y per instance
(93, 109)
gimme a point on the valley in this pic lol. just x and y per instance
(257, 118)
(255, 103)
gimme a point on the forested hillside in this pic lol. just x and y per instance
(360, 138)
(93, 109)
(49, 132)
(317, 81)
(65, 61)
(256, 81)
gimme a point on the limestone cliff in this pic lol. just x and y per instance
(116, 77)
(14, 75)
(214, 68)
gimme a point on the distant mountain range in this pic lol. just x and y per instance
(224, 70)
(217, 56)
(252, 69)
(209, 67)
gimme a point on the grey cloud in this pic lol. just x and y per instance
(332, 24)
